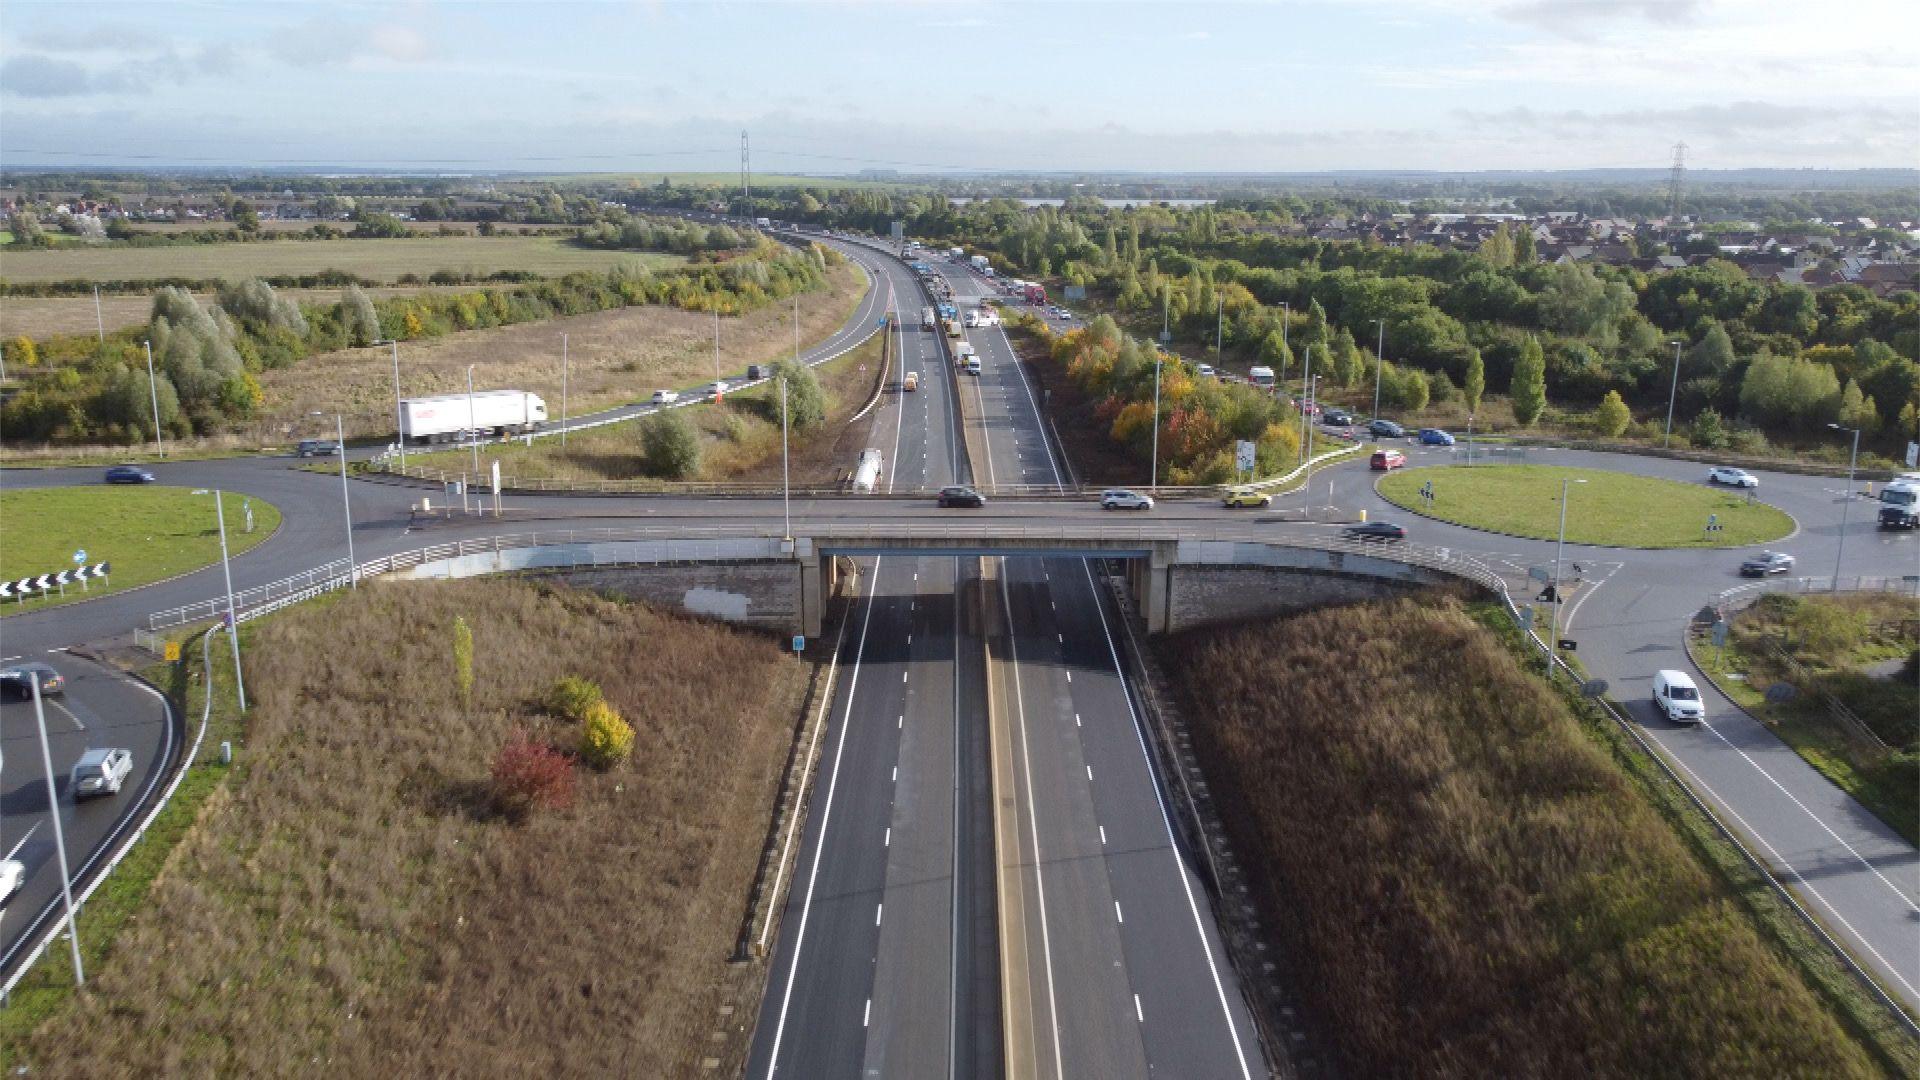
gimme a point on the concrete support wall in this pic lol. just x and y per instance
(1201, 595)
(763, 594)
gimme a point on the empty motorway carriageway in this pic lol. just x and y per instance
(989, 880)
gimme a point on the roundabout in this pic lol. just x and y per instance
(1604, 508)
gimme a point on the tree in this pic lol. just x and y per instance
(671, 445)
(1476, 381)
(1709, 432)
(463, 657)
(245, 218)
(606, 739)
(1497, 248)
(806, 402)
(1528, 388)
(22, 353)
(1712, 354)
(1316, 323)
(1611, 416)
(1857, 410)
(358, 318)
(1275, 354)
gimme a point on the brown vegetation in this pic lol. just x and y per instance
(351, 903)
(1463, 883)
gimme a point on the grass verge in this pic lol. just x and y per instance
(374, 260)
(1467, 875)
(1832, 637)
(148, 533)
(349, 897)
(1610, 508)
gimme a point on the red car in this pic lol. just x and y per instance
(1387, 459)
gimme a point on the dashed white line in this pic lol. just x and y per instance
(1138, 1016)
(1089, 773)
(866, 1015)
(877, 910)
(895, 778)
(1103, 836)
(1076, 719)
(887, 841)
(1117, 917)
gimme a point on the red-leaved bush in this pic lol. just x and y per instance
(530, 775)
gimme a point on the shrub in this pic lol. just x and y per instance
(606, 739)
(22, 353)
(806, 402)
(1611, 417)
(671, 446)
(531, 775)
(1709, 432)
(573, 697)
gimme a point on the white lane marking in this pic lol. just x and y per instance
(826, 816)
(903, 676)
(1069, 676)
(1117, 916)
(1076, 719)
(1062, 637)
(887, 841)
(1103, 836)
(24, 837)
(895, 778)
(68, 713)
(8, 660)
(1166, 822)
(866, 1015)
(878, 909)
(902, 723)
(1033, 826)
(909, 639)
(1089, 774)
(1138, 1016)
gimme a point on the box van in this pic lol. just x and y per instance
(973, 365)
(1677, 698)
(1260, 376)
(911, 381)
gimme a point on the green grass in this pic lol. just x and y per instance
(374, 260)
(147, 533)
(1607, 508)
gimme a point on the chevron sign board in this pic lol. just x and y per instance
(21, 588)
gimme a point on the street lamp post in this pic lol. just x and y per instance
(1553, 609)
(1155, 484)
(153, 391)
(346, 501)
(1379, 365)
(473, 426)
(1219, 326)
(786, 477)
(563, 393)
(59, 837)
(1286, 322)
(1673, 393)
(233, 615)
(1846, 502)
(399, 434)
(1306, 401)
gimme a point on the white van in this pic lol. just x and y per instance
(1677, 698)
(973, 365)
(1260, 376)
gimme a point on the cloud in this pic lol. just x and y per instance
(45, 77)
(107, 37)
(1582, 19)
(323, 41)
(1195, 35)
(1731, 119)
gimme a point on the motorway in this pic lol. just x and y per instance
(885, 857)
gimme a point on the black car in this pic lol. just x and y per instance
(128, 474)
(1376, 530)
(1767, 562)
(1386, 429)
(961, 496)
(1337, 418)
(17, 681)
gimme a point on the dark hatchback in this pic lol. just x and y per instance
(962, 496)
(128, 474)
(1767, 562)
(17, 681)
(1376, 530)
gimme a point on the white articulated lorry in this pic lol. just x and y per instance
(866, 475)
(443, 417)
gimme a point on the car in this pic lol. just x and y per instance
(1387, 460)
(17, 681)
(101, 771)
(1205, 371)
(1385, 429)
(128, 474)
(962, 496)
(1337, 418)
(1376, 530)
(1123, 499)
(13, 873)
(1677, 698)
(1732, 477)
(718, 388)
(1246, 497)
(318, 448)
(1307, 407)
(910, 381)
(1767, 562)
(665, 397)
(1431, 436)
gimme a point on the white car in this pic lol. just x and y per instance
(1205, 370)
(13, 873)
(665, 397)
(1122, 499)
(1732, 477)
(719, 387)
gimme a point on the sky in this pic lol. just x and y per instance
(1285, 86)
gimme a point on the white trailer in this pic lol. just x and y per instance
(443, 417)
(979, 263)
(867, 473)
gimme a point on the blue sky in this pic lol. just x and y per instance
(835, 87)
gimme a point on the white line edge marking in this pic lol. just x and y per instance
(1033, 824)
(866, 1015)
(1117, 916)
(826, 815)
(1173, 848)
(1103, 835)
(878, 910)
(1138, 1016)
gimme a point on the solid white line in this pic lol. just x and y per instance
(953, 877)
(1103, 836)
(1173, 847)
(826, 814)
(1033, 824)
(866, 1015)
(1138, 1016)
(878, 910)
(887, 841)
(1089, 774)
(1117, 917)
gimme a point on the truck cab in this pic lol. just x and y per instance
(1900, 505)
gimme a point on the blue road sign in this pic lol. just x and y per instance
(799, 643)
(79, 556)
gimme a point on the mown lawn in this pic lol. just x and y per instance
(147, 532)
(1602, 507)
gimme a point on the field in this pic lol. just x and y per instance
(614, 357)
(1835, 638)
(147, 532)
(1463, 883)
(1607, 508)
(42, 317)
(350, 898)
(740, 437)
(374, 260)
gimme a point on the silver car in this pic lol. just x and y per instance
(101, 771)
(1732, 477)
(1123, 499)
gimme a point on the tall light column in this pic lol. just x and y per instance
(59, 837)
(1845, 503)
(1155, 485)
(1553, 609)
(1673, 393)
(1379, 365)
(153, 391)
(563, 393)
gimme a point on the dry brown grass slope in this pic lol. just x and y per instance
(1464, 884)
(347, 906)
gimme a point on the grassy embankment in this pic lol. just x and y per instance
(1834, 637)
(148, 533)
(42, 317)
(1612, 508)
(348, 898)
(373, 260)
(1469, 878)
(739, 437)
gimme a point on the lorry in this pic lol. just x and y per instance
(763, 222)
(1260, 376)
(443, 417)
(926, 318)
(1034, 292)
(1900, 505)
(867, 473)
(979, 262)
(965, 359)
